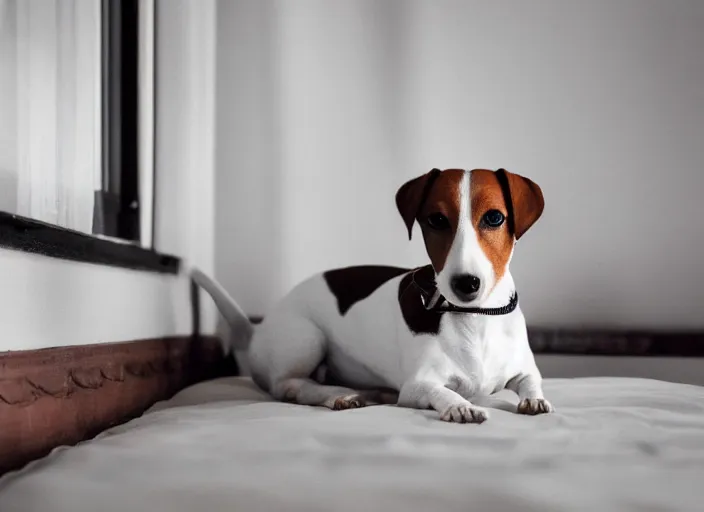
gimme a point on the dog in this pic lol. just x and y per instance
(434, 337)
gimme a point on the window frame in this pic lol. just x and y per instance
(122, 227)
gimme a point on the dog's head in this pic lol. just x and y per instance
(470, 222)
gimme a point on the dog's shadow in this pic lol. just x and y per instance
(502, 401)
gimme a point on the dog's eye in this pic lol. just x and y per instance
(438, 221)
(493, 218)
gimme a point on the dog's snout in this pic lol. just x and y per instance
(465, 286)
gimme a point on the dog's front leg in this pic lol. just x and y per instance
(528, 387)
(450, 405)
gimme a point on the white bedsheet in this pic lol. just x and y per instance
(614, 444)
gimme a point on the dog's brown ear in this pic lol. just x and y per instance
(411, 196)
(524, 201)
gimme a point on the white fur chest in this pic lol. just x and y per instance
(479, 352)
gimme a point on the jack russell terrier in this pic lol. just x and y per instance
(438, 336)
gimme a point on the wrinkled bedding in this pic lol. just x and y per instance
(613, 444)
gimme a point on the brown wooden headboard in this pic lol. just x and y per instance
(61, 396)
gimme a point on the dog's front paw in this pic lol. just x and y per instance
(533, 406)
(465, 413)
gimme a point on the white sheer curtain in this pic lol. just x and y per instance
(8, 107)
(57, 107)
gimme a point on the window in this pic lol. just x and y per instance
(77, 116)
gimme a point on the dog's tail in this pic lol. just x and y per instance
(241, 329)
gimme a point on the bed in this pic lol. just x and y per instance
(224, 445)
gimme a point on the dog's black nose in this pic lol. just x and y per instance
(465, 286)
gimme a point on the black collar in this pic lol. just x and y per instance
(434, 301)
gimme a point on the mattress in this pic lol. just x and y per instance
(613, 444)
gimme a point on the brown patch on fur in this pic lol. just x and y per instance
(418, 319)
(352, 284)
(485, 195)
(442, 197)
(528, 202)
(411, 195)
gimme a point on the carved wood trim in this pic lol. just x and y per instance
(61, 396)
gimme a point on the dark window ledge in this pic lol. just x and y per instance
(612, 342)
(22, 234)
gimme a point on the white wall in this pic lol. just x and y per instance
(325, 108)
(47, 302)
(185, 137)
